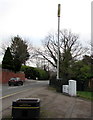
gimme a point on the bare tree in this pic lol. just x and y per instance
(70, 49)
(68, 43)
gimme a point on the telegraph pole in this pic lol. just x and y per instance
(58, 40)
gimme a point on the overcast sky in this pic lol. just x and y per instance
(34, 19)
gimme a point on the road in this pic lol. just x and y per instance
(7, 90)
(10, 93)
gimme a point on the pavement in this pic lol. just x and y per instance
(57, 105)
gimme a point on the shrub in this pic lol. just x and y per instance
(33, 73)
(43, 75)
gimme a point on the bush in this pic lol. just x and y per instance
(24, 67)
(57, 83)
(43, 75)
(33, 73)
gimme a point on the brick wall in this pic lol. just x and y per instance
(5, 75)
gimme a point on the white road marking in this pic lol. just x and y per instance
(13, 87)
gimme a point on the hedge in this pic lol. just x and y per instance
(33, 73)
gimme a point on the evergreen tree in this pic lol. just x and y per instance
(7, 62)
(19, 49)
(17, 65)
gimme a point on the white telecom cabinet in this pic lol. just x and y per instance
(72, 87)
(65, 89)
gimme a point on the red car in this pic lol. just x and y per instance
(15, 81)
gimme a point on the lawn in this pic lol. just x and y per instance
(85, 94)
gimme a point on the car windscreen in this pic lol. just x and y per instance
(13, 79)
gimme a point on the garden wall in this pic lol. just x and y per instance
(5, 75)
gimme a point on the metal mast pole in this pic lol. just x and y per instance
(58, 41)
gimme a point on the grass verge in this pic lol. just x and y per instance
(85, 94)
